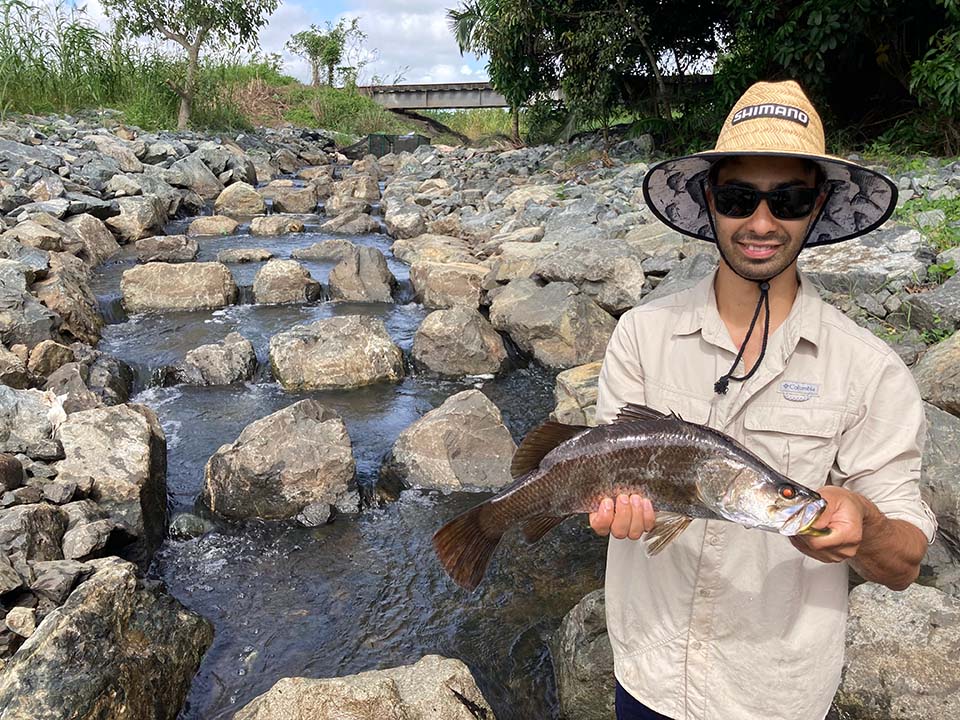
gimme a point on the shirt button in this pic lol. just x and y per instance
(704, 592)
(714, 539)
(697, 645)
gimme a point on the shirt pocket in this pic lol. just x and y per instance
(800, 443)
(666, 400)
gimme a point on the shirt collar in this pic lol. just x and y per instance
(699, 314)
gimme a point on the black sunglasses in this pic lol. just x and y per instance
(790, 203)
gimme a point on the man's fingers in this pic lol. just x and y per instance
(620, 528)
(636, 518)
(649, 516)
(601, 519)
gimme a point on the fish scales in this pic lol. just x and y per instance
(686, 470)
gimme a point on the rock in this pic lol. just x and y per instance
(11, 473)
(866, 263)
(193, 174)
(99, 243)
(213, 225)
(32, 532)
(13, 371)
(900, 660)
(282, 463)
(576, 395)
(284, 281)
(66, 291)
(583, 661)
(244, 255)
(139, 644)
(123, 449)
(23, 319)
(10, 580)
(522, 235)
(332, 249)
(26, 425)
(186, 526)
(405, 220)
(937, 309)
(685, 275)
(363, 276)
(48, 356)
(459, 341)
(275, 225)
(434, 688)
(439, 285)
(352, 223)
(461, 444)
(117, 149)
(432, 248)
(110, 379)
(140, 217)
(939, 485)
(555, 324)
(59, 493)
(239, 199)
(340, 205)
(69, 384)
(33, 234)
(86, 540)
(33, 259)
(230, 361)
(22, 621)
(359, 187)
(165, 286)
(54, 579)
(295, 200)
(938, 375)
(171, 248)
(346, 351)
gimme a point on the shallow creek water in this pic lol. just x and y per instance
(365, 591)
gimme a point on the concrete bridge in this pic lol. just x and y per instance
(450, 96)
(437, 96)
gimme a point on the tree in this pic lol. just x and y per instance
(325, 48)
(191, 24)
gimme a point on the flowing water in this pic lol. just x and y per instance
(363, 592)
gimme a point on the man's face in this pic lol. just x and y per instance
(762, 245)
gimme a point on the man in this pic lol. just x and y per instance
(729, 623)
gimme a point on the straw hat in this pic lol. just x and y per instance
(772, 119)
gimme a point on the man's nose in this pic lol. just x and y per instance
(762, 221)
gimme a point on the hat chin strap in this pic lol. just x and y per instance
(723, 382)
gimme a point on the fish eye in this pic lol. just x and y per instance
(787, 492)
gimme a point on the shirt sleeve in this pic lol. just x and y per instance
(880, 454)
(621, 376)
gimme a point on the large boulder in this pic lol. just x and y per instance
(295, 200)
(339, 352)
(435, 688)
(230, 361)
(187, 286)
(938, 375)
(333, 249)
(239, 199)
(284, 281)
(360, 187)
(583, 661)
(118, 649)
(213, 225)
(461, 444)
(24, 320)
(514, 261)
(273, 225)
(32, 532)
(26, 424)
(168, 248)
(432, 248)
(363, 276)
(66, 291)
(119, 456)
(557, 324)
(937, 309)
(575, 393)
(901, 656)
(352, 223)
(99, 243)
(140, 216)
(296, 459)
(939, 484)
(405, 220)
(459, 341)
(440, 285)
(193, 174)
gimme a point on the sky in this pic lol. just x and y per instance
(411, 37)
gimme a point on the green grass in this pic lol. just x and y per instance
(943, 236)
(479, 123)
(341, 110)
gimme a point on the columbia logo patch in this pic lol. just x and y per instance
(798, 391)
(768, 110)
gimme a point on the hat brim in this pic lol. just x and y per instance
(859, 201)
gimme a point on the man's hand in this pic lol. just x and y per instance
(630, 517)
(844, 516)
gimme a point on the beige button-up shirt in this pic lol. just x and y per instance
(735, 624)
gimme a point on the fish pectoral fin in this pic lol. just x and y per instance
(538, 443)
(539, 525)
(668, 528)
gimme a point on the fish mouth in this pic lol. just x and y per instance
(801, 522)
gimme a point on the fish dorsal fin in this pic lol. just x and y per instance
(538, 443)
(668, 528)
(631, 412)
(539, 525)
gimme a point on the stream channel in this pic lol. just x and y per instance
(364, 592)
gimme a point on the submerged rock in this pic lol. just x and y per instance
(296, 457)
(435, 688)
(461, 444)
(167, 286)
(118, 649)
(230, 361)
(339, 352)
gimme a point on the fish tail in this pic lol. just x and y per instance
(465, 547)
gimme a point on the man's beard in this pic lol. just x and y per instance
(758, 270)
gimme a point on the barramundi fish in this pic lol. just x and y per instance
(686, 470)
